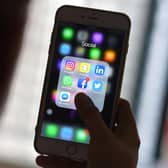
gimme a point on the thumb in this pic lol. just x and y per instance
(91, 116)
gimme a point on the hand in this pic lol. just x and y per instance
(117, 148)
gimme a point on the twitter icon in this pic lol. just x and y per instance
(97, 85)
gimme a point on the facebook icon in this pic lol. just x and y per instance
(82, 83)
(100, 69)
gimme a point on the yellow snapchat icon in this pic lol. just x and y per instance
(84, 67)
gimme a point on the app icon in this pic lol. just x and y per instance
(49, 111)
(95, 53)
(65, 49)
(79, 51)
(97, 85)
(58, 64)
(67, 33)
(112, 41)
(70, 65)
(84, 67)
(67, 80)
(64, 96)
(82, 35)
(99, 69)
(97, 37)
(82, 82)
(54, 95)
(82, 135)
(66, 133)
(109, 56)
(51, 130)
(72, 114)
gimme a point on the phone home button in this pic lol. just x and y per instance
(71, 149)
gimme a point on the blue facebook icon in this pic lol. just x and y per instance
(100, 69)
(82, 83)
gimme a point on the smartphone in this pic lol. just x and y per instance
(87, 54)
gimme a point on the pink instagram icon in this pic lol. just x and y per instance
(70, 65)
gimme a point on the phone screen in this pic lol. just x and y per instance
(86, 59)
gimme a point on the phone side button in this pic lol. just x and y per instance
(71, 149)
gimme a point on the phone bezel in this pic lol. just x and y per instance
(86, 16)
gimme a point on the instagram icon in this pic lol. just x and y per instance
(70, 65)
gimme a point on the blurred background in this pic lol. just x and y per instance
(25, 32)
